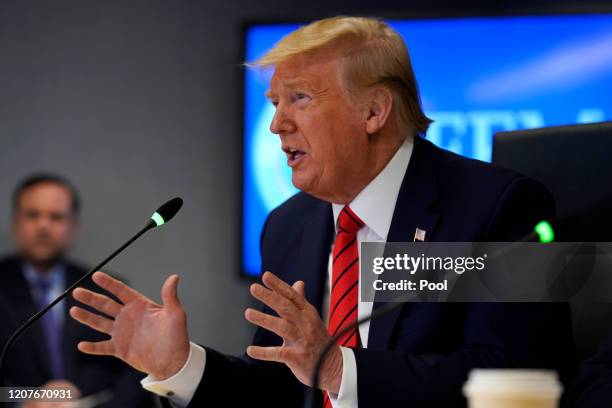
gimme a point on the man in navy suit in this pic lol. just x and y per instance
(349, 119)
(44, 225)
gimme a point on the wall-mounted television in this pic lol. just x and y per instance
(476, 75)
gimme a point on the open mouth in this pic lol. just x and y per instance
(294, 156)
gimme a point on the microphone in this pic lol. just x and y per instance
(163, 214)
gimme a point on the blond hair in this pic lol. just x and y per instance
(374, 54)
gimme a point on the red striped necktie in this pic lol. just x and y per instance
(345, 282)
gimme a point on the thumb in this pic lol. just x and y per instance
(299, 287)
(169, 292)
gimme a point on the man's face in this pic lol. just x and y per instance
(43, 224)
(322, 130)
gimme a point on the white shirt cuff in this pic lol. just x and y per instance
(347, 395)
(181, 387)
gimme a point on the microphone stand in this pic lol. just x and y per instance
(382, 310)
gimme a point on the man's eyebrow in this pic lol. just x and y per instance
(299, 83)
(292, 84)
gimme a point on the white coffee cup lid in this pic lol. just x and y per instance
(538, 383)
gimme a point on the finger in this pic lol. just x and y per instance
(299, 287)
(100, 348)
(116, 287)
(266, 353)
(98, 301)
(169, 292)
(281, 305)
(96, 322)
(274, 324)
(276, 284)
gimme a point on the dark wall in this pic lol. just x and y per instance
(138, 101)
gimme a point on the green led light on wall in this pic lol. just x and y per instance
(545, 232)
(159, 220)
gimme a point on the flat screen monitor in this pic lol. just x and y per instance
(477, 76)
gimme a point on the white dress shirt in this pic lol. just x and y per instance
(375, 205)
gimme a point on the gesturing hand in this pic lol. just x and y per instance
(301, 328)
(151, 338)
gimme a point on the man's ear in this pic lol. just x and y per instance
(379, 109)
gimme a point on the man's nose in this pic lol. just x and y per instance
(44, 223)
(281, 123)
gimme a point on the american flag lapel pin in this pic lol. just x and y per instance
(419, 235)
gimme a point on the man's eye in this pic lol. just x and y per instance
(31, 215)
(57, 217)
(299, 96)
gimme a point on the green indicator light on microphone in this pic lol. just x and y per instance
(166, 211)
(159, 220)
(545, 232)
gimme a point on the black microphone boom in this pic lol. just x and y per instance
(159, 217)
(310, 400)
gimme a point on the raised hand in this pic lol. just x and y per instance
(301, 328)
(150, 337)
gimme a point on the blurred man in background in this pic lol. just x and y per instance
(45, 223)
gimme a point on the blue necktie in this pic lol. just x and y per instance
(51, 330)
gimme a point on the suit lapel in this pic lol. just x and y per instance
(414, 209)
(314, 257)
(23, 308)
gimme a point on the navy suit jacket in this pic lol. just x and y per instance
(419, 354)
(27, 362)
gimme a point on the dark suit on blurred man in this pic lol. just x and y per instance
(28, 362)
